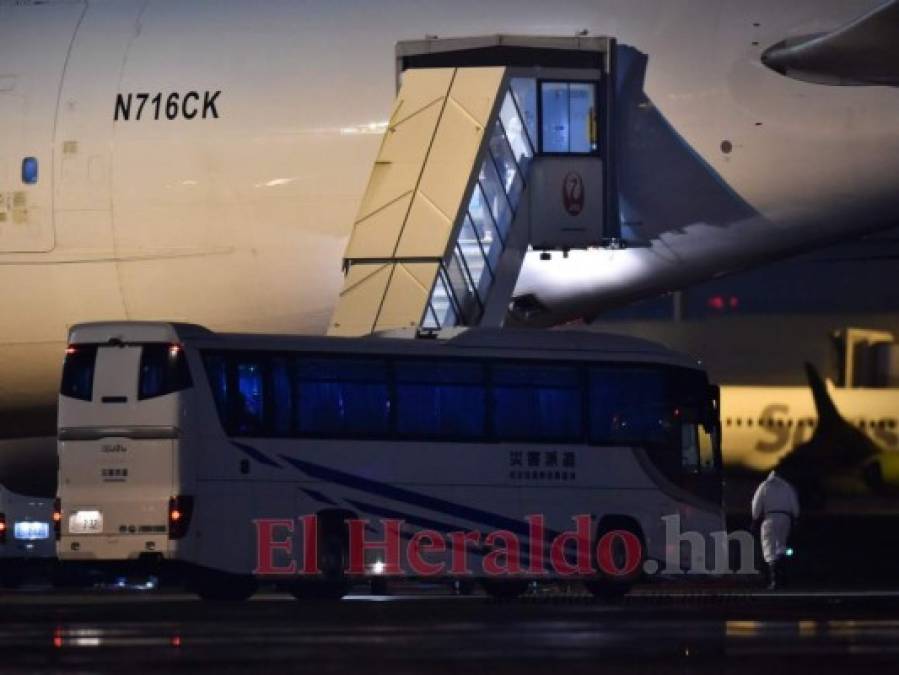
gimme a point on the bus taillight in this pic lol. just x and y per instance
(57, 518)
(2, 528)
(180, 510)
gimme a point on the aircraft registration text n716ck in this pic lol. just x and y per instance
(188, 106)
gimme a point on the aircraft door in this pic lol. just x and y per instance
(25, 218)
(33, 54)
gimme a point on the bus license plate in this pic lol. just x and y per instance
(86, 522)
(31, 531)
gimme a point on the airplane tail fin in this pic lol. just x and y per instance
(837, 449)
(827, 410)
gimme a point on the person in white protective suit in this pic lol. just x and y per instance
(775, 507)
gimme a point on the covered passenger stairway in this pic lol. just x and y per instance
(495, 145)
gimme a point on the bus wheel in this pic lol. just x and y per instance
(504, 589)
(216, 586)
(333, 554)
(606, 586)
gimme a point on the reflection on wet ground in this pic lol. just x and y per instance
(716, 632)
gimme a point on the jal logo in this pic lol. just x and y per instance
(573, 193)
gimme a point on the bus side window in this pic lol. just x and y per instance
(78, 372)
(440, 400)
(343, 397)
(282, 399)
(217, 371)
(537, 403)
(163, 370)
(628, 405)
(250, 397)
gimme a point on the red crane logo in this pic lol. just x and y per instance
(573, 193)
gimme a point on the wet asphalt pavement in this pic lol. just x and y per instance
(659, 632)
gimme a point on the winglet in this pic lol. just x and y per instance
(827, 410)
(862, 52)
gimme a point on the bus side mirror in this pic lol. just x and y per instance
(715, 395)
(714, 403)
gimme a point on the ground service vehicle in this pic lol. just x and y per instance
(26, 537)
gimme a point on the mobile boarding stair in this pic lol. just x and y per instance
(495, 145)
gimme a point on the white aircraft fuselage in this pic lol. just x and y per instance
(203, 161)
(761, 425)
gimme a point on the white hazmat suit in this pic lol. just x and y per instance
(776, 504)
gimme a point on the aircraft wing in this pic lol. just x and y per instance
(864, 52)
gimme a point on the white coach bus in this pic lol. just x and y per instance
(174, 441)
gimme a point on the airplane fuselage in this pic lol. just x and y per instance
(204, 161)
(763, 424)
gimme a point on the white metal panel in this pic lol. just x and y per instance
(398, 169)
(407, 296)
(450, 163)
(360, 300)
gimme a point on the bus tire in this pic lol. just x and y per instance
(504, 589)
(611, 588)
(333, 557)
(214, 586)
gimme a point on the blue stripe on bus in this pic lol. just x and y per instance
(319, 497)
(524, 555)
(383, 512)
(257, 455)
(415, 498)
